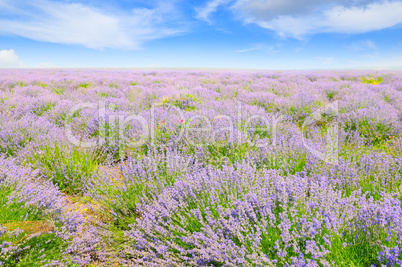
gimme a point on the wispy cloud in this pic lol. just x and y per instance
(75, 23)
(294, 18)
(8, 59)
(257, 47)
(203, 13)
(362, 45)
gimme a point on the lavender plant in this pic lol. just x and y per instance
(200, 168)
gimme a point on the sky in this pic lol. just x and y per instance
(239, 34)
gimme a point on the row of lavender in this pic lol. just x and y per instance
(191, 168)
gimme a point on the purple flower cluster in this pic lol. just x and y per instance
(238, 217)
(32, 190)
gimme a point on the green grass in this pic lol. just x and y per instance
(300, 114)
(43, 85)
(34, 249)
(20, 84)
(209, 81)
(68, 167)
(372, 80)
(58, 90)
(43, 108)
(15, 211)
(113, 85)
(122, 202)
(61, 118)
(223, 153)
(84, 85)
(122, 194)
(269, 107)
(331, 94)
(11, 145)
(185, 102)
(105, 94)
(357, 248)
(373, 132)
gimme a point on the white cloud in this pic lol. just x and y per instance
(250, 49)
(8, 59)
(203, 13)
(74, 23)
(271, 9)
(297, 18)
(362, 45)
(257, 47)
(375, 16)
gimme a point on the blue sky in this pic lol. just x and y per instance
(245, 34)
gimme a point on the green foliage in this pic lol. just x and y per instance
(223, 153)
(84, 85)
(113, 85)
(105, 94)
(11, 145)
(148, 101)
(300, 113)
(42, 108)
(109, 134)
(121, 193)
(352, 79)
(35, 248)
(62, 117)
(20, 84)
(68, 167)
(288, 164)
(43, 85)
(269, 107)
(331, 94)
(15, 211)
(357, 247)
(58, 90)
(374, 132)
(372, 80)
(185, 102)
(123, 202)
(209, 81)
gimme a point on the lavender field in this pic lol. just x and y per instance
(200, 168)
